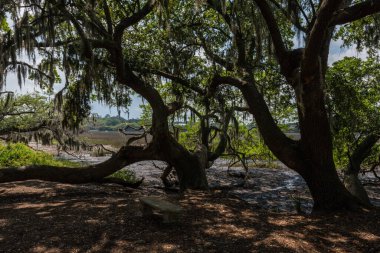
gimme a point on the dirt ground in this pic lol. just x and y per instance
(39, 216)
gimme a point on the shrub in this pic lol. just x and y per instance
(18, 154)
(125, 175)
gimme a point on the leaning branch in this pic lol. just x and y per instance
(362, 151)
(289, 16)
(34, 68)
(14, 129)
(213, 56)
(282, 146)
(279, 45)
(355, 12)
(177, 79)
(318, 35)
(133, 19)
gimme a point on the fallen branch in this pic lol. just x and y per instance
(78, 175)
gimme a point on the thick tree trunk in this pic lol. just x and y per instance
(165, 175)
(355, 187)
(191, 174)
(351, 179)
(190, 171)
(312, 156)
(316, 146)
(190, 167)
(327, 190)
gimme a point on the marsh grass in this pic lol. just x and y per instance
(114, 139)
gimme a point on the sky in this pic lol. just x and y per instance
(336, 53)
(96, 107)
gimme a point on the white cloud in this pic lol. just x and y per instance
(337, 52)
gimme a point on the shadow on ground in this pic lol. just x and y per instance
(38, 216)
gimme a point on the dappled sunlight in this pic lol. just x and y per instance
(4, 222)
(287, 241)
(229, 135)
(291, 220)
(335, 238)
(211, 222)
(248, 214)
(229, 230)
(88, 205)
(38, 205)
(100, 243)
(168, 247)
(93, 221)
(221, 210)
(44, 249)
(367, 236)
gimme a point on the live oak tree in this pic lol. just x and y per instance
(303, 68)
(89, 37)
(363, 35)
(353, 103)
(233, 38)
(22, 114)
(22, 39)
(98, 44)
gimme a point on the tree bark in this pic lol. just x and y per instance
(351, 179)
(165, 175)
(190, 167)
(327, 191)
(355, 187)
(316, 147)
(193, 173)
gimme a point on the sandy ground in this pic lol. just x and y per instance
(40, 216)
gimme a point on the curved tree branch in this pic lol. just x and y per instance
(178, 80)
(279, 45)
(14, 129)
(361, 152)
(317, 37)
(286, 149)
(93, 173)
(355, 12)
(133, 19)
